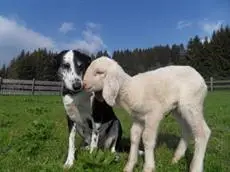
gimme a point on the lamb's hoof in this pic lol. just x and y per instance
(174, 160)
(128, 169)
(148, 169)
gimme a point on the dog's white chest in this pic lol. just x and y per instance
(78, 107)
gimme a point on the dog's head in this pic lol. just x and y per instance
(71, 66)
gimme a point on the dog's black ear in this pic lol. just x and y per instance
(58, 58)
(84, 57)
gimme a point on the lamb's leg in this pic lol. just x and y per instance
(193, 114)
(149, 140)
(135, 137)
(183, 143)
(71, 149)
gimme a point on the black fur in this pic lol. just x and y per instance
(104, 114)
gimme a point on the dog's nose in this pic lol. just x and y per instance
(77, 86)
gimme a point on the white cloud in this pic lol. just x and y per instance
(91, 40)
(15, 36)
(203, 39)
(66, 27)
(94, 26)
(183, 24)
(209, 26)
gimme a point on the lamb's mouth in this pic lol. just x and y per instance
(87, 88)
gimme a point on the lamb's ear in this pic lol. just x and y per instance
(111, 89)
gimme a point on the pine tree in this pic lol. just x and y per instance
(220, 52)
(3, 71)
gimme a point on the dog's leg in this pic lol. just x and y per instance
(95, 136)
(116, 132)
(71, 148)
(113, 149)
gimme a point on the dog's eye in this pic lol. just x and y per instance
(66, 65)
(81, 66)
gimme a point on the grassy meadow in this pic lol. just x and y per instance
(33, 138)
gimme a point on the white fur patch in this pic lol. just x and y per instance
(94, 141)
(71, 149)
(70, 76)
(113, 150)
(78, 106)
(68, 99)
(97, 125)
(91, 99)
(95, 137)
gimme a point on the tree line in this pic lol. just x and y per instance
(210, 57)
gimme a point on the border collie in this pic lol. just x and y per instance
(87, 114)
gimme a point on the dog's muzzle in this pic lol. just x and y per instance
(77, 86)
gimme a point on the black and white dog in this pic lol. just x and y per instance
(87, 114)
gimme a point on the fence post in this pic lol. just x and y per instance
(33, 84)
(62, 85)
(0, 85)
(211, 84)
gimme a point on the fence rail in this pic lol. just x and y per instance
(29, 87)
(37, 87)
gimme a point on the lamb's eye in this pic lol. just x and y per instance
(99, 72)
(66, 65)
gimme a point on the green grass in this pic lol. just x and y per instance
(33, 137)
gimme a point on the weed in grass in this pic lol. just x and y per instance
(32, 140)
(37, 110)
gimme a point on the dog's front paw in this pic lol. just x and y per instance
(68, 164)
(91, 149)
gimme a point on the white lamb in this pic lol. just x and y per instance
(148, 97)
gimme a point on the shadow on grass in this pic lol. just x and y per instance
(170, 140)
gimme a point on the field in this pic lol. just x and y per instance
(33, 137)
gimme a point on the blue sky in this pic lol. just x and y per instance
(95, 25)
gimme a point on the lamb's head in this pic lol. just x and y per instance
(103, 75)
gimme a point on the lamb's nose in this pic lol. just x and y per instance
(84, 85)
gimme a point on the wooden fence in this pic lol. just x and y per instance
(36, 87)
(218, 84)
(29, 87)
